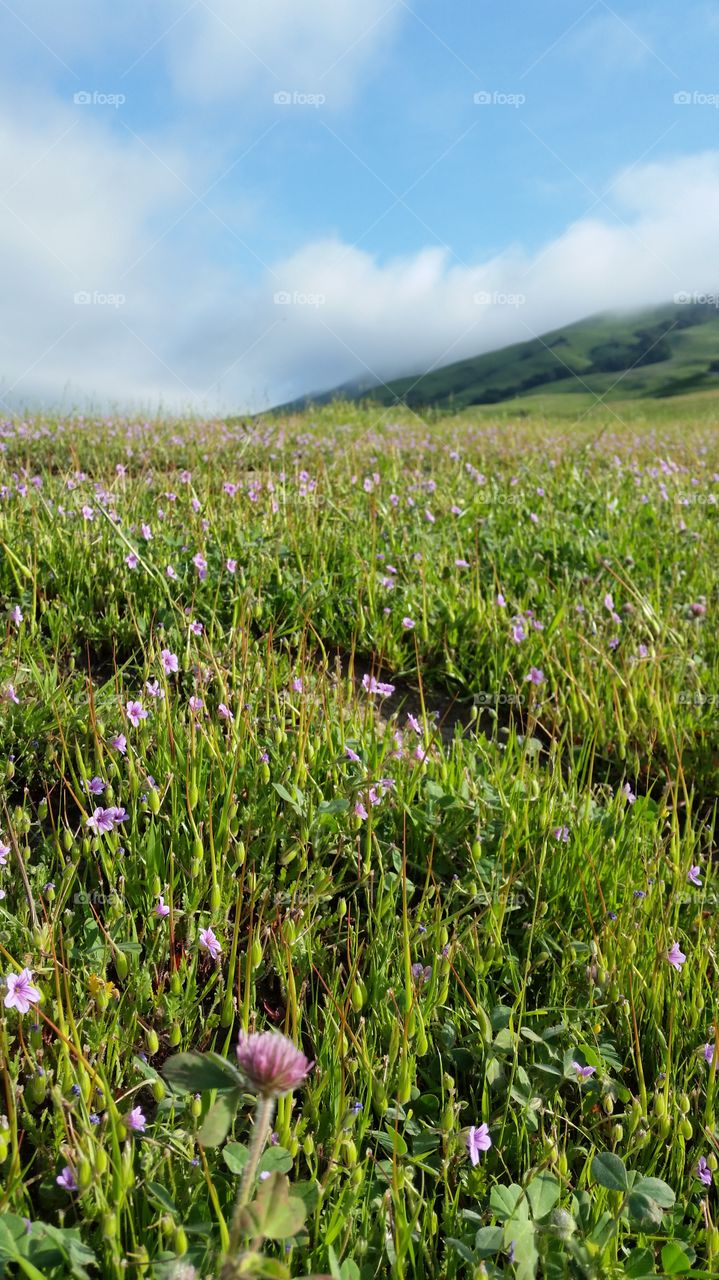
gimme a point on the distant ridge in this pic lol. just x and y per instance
(655, 353)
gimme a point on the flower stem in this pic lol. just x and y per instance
(263, 1123)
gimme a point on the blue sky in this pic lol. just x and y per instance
(186, 237)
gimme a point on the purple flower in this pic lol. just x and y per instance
(518, 633)
(4, 851)
(132, 560)
(195, 705)
(100, 821)
(200, 564)
(161, 908)
(224, 711)
(96, 786)
(136, 1120)
(675, 957)
(693, 876)
(478, 1139)
(10, 695)
(360, 811)
(169, 662)
(703, 1172)
(231, 566)
(271, 1063)
(352, 755)
(16, 615)
(196, 628)
(118, 814)
(119, 742)
(154, 689)
(21, 994)
(561, 833)
(135, 713)
(208, 942)
(66, 1179)
(408, 624)
(583, 1073)
(373, 686)
(709, 1052)
(536, 676)
(628, 793)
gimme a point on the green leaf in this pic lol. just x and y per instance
(462, 1249)
(640, 1265)
(274, 1214)
(643, 1211)
(158, 1193)
(503, 1201)
(488, 1241)
(235, 1157)
(198, 1072)
(216, 1124)
(275, 1160)
(610, 1172)
(543, 1194)
(676, 1259)
(658, 1190)
(520, 1236)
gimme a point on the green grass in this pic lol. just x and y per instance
(446, 958)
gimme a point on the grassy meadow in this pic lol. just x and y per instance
(397, 736)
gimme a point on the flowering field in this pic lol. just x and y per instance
(398, 740)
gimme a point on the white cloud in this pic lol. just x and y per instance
(80, 203)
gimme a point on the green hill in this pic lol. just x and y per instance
(659, 353)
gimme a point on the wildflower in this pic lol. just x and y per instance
(135, 713)
(196, 628)
(536, 676)
(162, 910)
(119, 742)
(16, 615)
(360, 811)
(96, 786)
(693, 876)
(21, 993)
(478, 1139)
(88, 513)
(195, 705)
(297, 684)
(146, 532)
(4, 851)
(500, 601)
(10, 695)
(170, 663)
(518, 633)
(352, 755)
(583, 1073)
(709, 1052)
(271, 1063)
(154, 689)
(703, 1172)
(171, 573)
(408, 624)
(231, 565)
(224, 711)
(675, 957)
(118, 814)
(136, 1120)
(100, 821)
(208, 942)
(132, 560)
(561, 833)
(628, 793)
(200, 564)
(66, 1179)
(373, 686)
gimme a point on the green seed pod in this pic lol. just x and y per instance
(348, 1153)
(227, 1016)
(240, 853)
(685, 1128)
(66, 840)
(100, 1161)
(608, 1104)
(156, 888)
(152, 1042)
(660, 1106)
(109, 1226)
(215, 898)
(357, 1177)
(175, 983)
(195, 868)
(158, 1090)
(308, 1146)
(256, 952)
(153, 800)
(684, 1104)
(712, 1162)
(84, 1173)
(196, 1108)
(9, 770)
(36, 1089)
(175, 1035)
(193, 795)
(712, 1237)
(198, 849)
(617, 1132)
(121, 964)
(357, 995)
(379, 1096)
(562, 1164)
(265, 772)
(404, 1083)
(665, 1126)
(341, 908)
